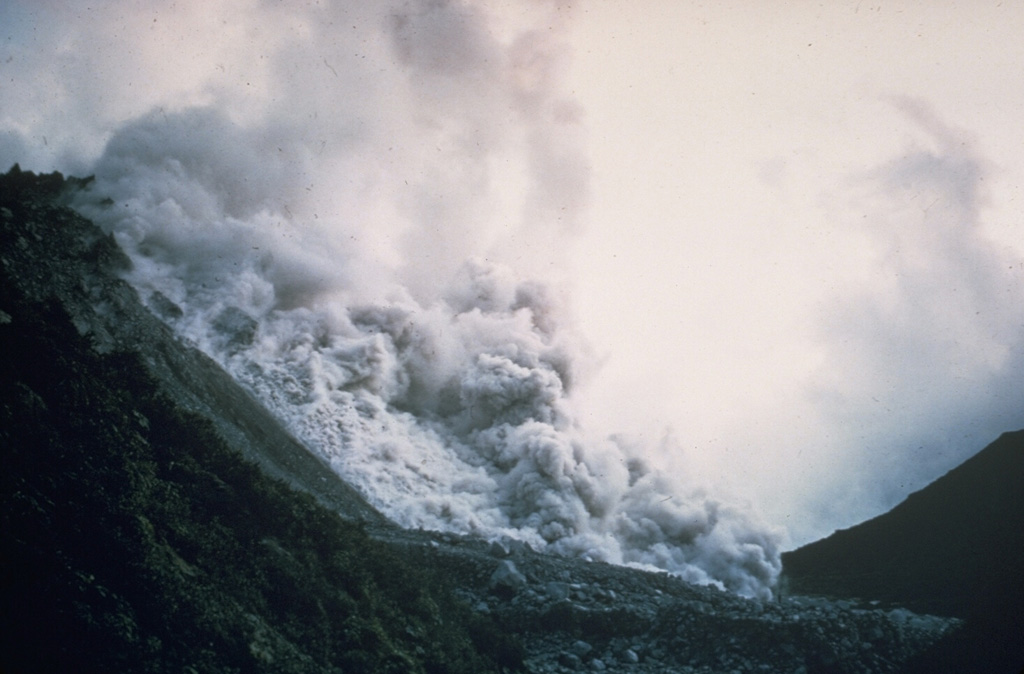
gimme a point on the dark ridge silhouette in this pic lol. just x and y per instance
(954, 548)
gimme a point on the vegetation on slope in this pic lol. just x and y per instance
(135, 539)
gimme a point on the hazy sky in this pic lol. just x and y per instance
(803, 252)
(798, 254)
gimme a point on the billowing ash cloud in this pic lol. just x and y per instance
(335, 218)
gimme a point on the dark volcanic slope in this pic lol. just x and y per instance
(52, 253)
(135, 538)
(954, 548)
(137, 535)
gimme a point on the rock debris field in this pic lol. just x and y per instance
(573, 615)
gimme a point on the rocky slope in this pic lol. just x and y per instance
(156, 519)
(136, 540)
(49, 252)
(571, 615)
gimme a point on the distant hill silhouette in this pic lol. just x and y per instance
(954, 548)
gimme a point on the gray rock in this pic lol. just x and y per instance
(506, 579)
(569, 661)
(581, 648)
(556, 591)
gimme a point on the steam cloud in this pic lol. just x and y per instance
(330, 201)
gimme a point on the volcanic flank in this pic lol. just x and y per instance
(139, 536)
(293, 382)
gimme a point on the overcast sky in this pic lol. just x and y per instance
(803, 252)
(798, 253)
